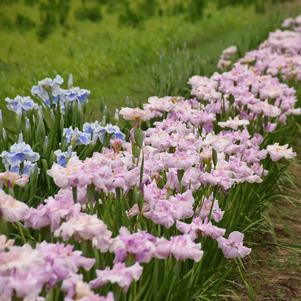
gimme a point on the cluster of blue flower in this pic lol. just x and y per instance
(63, 157)
(91, 133)
(50, 92)
(20, 158)
(21, 104)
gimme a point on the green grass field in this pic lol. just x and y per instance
(120, 62)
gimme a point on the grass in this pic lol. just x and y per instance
(118, 63)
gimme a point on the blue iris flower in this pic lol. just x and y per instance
(47, 87)
(28, 167)
(21, 104)
(51, 88)
(75, 136)
(118, 135)
(15, 168)
(114, 130)
(96, 131)
(111, 129)
(63, 157)
(76, 94)
(20, 158)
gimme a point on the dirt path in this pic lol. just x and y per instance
(274, 272)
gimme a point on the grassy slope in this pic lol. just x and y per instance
(118, 62)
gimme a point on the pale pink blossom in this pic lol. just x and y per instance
(233, 246)
(165, 211)
(198, 228)
(182, 247)
(5, 242)
(278, 152)
(53, 211)
(210, 206)
(77, 290)
(120, 273)
(11, 178)
(140, 244)
(265, 108)
(204, 88)
(19, 258)
(28, 270)
(71, 175)
(133, 211)
(135, 114)
(86, 227)
(160, 105)
(234, 123)
(11, 209)
(223, 64)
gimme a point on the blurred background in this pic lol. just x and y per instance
(126, 50)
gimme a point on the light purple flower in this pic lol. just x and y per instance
(77, 290)
(278, 152)
(71, 175)
(140, 244)
(199, 228)
(86, 227)
(52, 212)
(120, 273)
(5, 242)
(182, 248)
(12, 210)
(210, 205)
(233, 246)
(135, 114)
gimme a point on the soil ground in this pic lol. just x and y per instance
(274, 270)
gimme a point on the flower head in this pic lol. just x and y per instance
(11, 209)
(182, 248)
(140, 244)
(76, 137)
(135, 114)
(21, 104)
(199, 228)
(71, 175)
(278, 152)
(10, 179)
(120, 273)
(87, 227)
(63, 157)
(233, 246)
(20, 158)
(48, 89)
(75, 94)
(210, 206)
(5, 243)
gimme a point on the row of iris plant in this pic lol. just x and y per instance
(91, 214)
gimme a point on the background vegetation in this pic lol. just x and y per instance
(126, 50)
